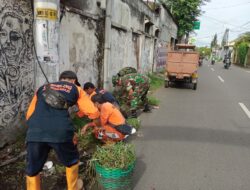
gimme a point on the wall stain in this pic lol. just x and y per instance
(99, 57)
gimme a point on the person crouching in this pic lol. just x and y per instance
(111, 126)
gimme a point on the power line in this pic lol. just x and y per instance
(223, 22)
(211, 35)
(228, 6)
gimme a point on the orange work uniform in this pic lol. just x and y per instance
(110, 117)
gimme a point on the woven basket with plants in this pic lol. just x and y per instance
(114, 165)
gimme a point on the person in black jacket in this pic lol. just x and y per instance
(50, 127)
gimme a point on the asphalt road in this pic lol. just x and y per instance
(198, 140)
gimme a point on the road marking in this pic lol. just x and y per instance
(245, 109)
(212, 69)
(248, 71)
(221, 79)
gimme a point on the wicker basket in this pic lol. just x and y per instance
(114, 179)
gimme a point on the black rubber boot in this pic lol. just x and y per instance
(146, 108)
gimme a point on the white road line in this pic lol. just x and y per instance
(248, 71)
(245, 109)
(212, 69)
(221, 79)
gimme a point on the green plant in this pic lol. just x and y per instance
(134, 122)
(60, 169)
(113, 156)
(156, 81)
(80, 122)
(153, 101)
(242, 52)
(185, 12)
(87, 140)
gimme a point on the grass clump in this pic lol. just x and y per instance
(87, 140)
(156, 81)
(153, 101)
(115, 156)
(134, 122)
(80, 122)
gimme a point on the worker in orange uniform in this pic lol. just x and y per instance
(50, 127)
(91, 90)
(112, 125)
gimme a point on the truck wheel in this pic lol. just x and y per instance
(166, 84)
(195, 86)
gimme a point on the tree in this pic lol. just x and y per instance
(225, 38)
(185, 12)
(214, 43)
(204, 51)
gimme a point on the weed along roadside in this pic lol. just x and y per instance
(116, 161)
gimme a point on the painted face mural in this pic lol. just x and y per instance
(16, 60)
(11, 38)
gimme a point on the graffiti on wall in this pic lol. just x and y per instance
(16, 59)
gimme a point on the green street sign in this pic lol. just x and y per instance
(197, 25)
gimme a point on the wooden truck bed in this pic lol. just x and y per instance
(182, 63)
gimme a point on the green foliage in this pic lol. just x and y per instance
(134, 122)
(87, 140)
(242, 51)
(204, 51)
(60, 169)
(80, 122)
(185, 12)
(119, 155)
(153, 101)
(156, 81)
(245, 37)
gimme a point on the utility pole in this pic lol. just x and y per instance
(46, 39)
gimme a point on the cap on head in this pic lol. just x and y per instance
(69, 75)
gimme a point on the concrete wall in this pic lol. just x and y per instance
(78, 47)
(129, 46)
(167, 25)
(16, 63)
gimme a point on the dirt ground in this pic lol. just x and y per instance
(12, 175)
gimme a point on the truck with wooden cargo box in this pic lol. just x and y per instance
(182, 65)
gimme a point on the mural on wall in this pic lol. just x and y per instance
(16, 59)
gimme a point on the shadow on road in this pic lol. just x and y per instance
(181, 85)
(140, 167)
(176, 133)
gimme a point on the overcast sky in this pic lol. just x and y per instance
(222, 14)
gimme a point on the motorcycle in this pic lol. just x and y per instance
(227, 63)
(213, 62)
(200, 62)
